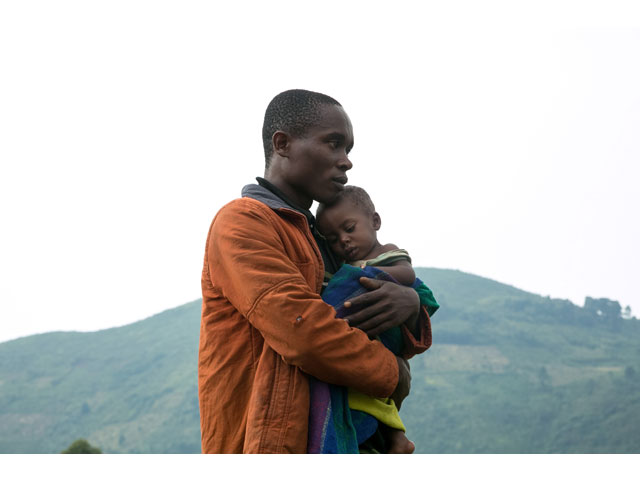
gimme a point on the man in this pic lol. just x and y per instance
(264, 325)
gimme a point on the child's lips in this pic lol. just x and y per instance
(350, 252)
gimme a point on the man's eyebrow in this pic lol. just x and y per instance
(336, 136)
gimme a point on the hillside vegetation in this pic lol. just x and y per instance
(509, 371)
(512, 372)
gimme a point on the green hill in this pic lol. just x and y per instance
(129, 389)
(509, 371)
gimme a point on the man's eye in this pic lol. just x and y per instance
(334, 143)
(350, 228)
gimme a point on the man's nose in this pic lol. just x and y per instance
(344, 163)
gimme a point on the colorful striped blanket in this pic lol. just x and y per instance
(333, 426)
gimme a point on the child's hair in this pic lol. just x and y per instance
(357, 195)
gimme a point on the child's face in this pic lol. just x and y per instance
(350, 230)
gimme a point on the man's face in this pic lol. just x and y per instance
(350, 230)
(318, 161)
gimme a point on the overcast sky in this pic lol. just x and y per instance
(497, 138)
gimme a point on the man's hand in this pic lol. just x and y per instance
(385, 306)
(404, 382)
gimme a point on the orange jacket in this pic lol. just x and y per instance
(265, 327)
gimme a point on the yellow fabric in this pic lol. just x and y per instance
(382, 409)
(386, 258)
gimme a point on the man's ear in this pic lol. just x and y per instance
(377, 221)
(281, 142)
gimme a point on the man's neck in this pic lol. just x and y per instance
(294, 197)
(276, 188)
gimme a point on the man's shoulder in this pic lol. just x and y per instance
(255, 197)
(243, 203)
(251, 208)
(243, 207)
(256, 206)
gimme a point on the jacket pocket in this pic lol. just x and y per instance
(278, 406)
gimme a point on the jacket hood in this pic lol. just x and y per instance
(264, 195)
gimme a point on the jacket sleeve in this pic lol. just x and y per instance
(413, 345)
(248, 263)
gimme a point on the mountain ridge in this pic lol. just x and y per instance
(509, 372)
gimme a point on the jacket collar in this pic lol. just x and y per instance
(273, 198)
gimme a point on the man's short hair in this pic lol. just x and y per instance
(293, 112)
(358, 196)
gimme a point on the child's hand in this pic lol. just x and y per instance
(385, 306)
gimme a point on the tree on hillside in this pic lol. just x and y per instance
(603, 307)
(81, 446)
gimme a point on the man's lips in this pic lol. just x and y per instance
(341, 180)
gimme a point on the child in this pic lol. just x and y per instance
(350, 224)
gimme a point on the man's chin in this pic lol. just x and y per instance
(328, 197)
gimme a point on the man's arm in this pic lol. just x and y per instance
(247, 262)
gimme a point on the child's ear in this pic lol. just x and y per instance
(377, 221)
(281, 143)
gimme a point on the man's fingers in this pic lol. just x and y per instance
(371, 283)
(384, 306)
(369, 326)
(376, 323)
(366, 298)
(367, 313)
(376, 329)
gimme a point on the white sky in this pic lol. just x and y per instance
(511, 129)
